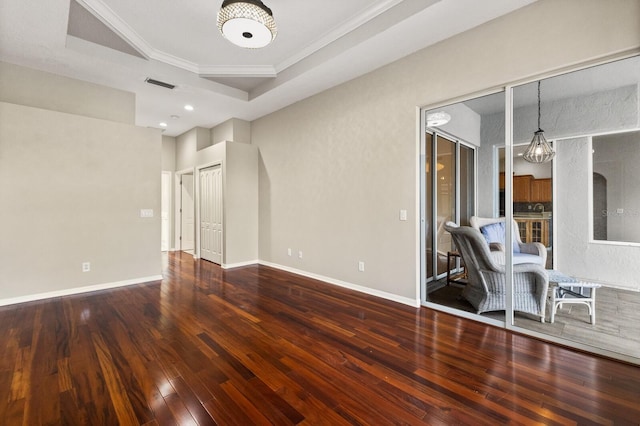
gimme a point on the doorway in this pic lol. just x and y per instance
(532, 198)
(187, 222)
(211, 211)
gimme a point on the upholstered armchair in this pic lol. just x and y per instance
(493, 231)
(486, 288)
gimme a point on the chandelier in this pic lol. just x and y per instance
(247, 23)
(539, 150)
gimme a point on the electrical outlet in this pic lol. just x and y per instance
(300, 254)
(86, 266)
(289, 251)
(361, 266)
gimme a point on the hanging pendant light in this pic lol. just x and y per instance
(539, 150)
(247, 23)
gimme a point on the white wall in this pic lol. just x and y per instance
(616, 265)
(72, 190)
(620, 167)
(523, 167)
(336, 168)
(465, 123)
(600, 112)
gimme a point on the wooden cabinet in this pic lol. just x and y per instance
(522, 188)
(541, 190)
(533, 230)
(527, 189)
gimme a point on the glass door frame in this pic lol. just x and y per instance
(507, 91)
(424, 279)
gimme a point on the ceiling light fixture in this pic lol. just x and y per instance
(247, 23)
(188, 107)
(436, 119)
(539, 150)
(163, 124)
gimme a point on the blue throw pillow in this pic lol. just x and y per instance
(515, 232)
(495, 233)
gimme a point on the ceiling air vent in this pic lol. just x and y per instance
(160, 83)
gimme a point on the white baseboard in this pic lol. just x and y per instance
(415, 303)
(239, 264)
(77, 290)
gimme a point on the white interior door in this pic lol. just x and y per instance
(211, 214)
(165, 229)
(187, 212)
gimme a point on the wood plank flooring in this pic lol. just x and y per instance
(255, 345)
(617, 328)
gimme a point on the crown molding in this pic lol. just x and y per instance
(237, 71)
(109, 18)
(337, 33)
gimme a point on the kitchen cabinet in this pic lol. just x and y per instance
(541, 190)
(522, 188)
(527, 189)
(533, 230)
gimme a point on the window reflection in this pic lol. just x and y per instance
(616, 187)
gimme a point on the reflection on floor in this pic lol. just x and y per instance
(617, 327)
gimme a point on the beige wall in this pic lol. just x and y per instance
(26, 86)
(168, 153)
(234, 129)
(241, 204)
(186, 148)
(188, 144)
(335, 169)
(72, 189)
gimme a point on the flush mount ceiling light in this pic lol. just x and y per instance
(247, 23)
(436, 119)
(539, 150)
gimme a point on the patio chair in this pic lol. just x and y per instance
(486, 288)
(493, 230)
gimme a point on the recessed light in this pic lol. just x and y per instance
(175, 117)
(520, 154)
(188, 107)
(163, 124)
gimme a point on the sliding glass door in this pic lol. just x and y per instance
(448, 195)
(580, 211)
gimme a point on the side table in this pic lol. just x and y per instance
(458, 277)
(568, 289)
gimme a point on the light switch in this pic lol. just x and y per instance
(403, 215)
(146, 212)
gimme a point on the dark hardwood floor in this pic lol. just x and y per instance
(256, 345)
